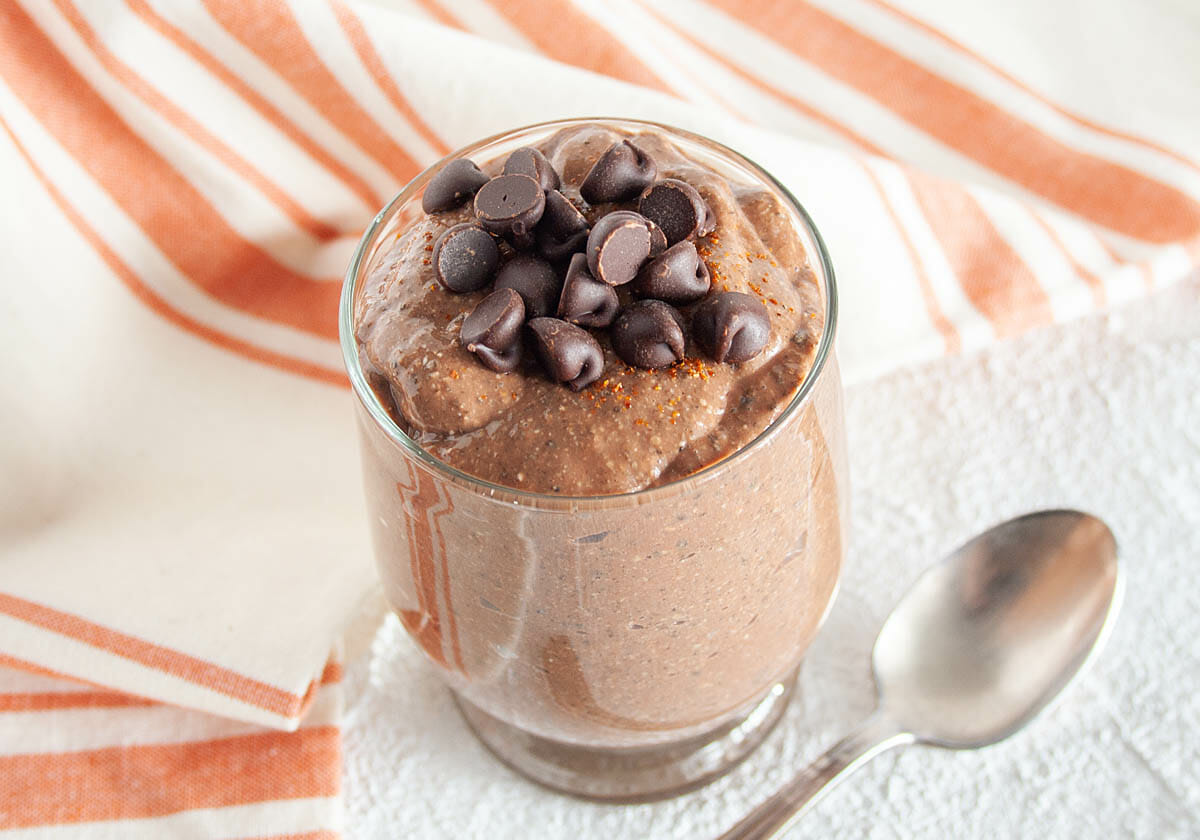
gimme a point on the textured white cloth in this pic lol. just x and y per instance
(1103, 415)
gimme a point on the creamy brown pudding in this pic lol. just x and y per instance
(630, 428)
(603, 446)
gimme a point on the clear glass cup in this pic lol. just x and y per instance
(622, 647)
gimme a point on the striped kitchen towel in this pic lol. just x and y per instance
(81, 761)
(183, 182)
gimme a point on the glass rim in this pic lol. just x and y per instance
(370, 401)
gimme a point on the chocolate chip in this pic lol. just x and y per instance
(465, 258)
(561, 217)
(678, 208)
(563, 230)
(658, 239)
(457, 181)
(585, 301)
(534, 279)
(649, 334)
(556, 251)
(511, 205)
(569, 354)
(493, 330)
(677, 276)
(530, 161)
(731, 326)
(617, 246)
(620, 174)
(501, 361)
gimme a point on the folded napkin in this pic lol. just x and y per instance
(82, 761)
(180, 512)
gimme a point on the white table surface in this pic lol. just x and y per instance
(1101, 414)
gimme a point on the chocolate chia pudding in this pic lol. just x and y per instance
(603, 444)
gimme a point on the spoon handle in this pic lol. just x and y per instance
(873, 736)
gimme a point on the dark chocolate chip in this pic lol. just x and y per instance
(649, 334)
(457, 181)
(493, 330)
(535, 280)
(563, 230)
(530, 161)
(678, 208)
(559, 250)
(620, 174)
(585, 301)
(501, 361)
(511, 205)
(658, 239)
(561, 217)
(569, 354)
(465, 258)
(677, 276)
(731, 326)
(617, 246)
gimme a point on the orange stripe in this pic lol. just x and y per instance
(270, 30)
(202, 136)
(945, 327)
(1104, 192)
(33, 668)
(371, 60)
(173, 213)
(1099, 293)
(184, 666)
(122, 783)
(54, 700)
(439, 14)
(151, 299)
(992, 274)
(565, 33)
(797, 105)
(356, 184)
(333, 673)
(1045, 100)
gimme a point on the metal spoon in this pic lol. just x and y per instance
(982, 643)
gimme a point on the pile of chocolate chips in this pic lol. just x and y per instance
(651, 250)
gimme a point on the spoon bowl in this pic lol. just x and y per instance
(982, 642)
(988, 637)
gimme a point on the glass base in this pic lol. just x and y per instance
(640, 774)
